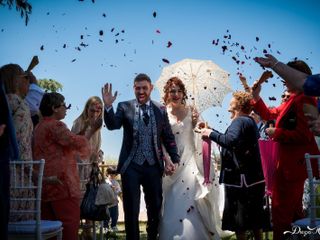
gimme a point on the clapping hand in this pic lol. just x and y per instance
(107, 96)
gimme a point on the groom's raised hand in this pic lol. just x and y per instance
(107, 96)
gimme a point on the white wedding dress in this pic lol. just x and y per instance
(190, 210)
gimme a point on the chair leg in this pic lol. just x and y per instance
(94, 230)
(59, 237)
(101, 230)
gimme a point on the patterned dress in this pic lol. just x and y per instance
(55, 143)
(24, 128)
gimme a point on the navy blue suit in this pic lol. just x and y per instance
(134, 175)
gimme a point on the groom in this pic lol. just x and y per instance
(145, 129)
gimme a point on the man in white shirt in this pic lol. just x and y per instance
(34, 98)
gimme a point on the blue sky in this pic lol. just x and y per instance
(290, 27)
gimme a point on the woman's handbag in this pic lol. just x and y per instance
(89, 209)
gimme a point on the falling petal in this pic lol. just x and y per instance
(272, 99)
(83, 44)
(224, 48)
(165, 60)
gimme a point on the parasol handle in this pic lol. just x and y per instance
(34, 62)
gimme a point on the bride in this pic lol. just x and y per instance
(191, 210)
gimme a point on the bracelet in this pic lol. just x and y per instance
(275, 64)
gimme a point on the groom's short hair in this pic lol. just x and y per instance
(142, 77)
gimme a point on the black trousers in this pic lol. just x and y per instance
(150, 178)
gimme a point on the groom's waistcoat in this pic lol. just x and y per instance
(145, 148)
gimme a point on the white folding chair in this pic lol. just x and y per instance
(26, 176)
(311, 223)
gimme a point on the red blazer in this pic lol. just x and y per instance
(292, 134)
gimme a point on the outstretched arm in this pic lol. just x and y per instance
(244, 83)
(264, 77)
(289, 74)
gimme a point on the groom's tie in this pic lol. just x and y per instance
(145, 114)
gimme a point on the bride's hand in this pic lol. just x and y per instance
(169, 167)
(199, 126)
(194, 117)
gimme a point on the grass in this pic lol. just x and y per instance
(120, 235)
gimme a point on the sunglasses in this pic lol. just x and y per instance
(285, 96)
(64, 105)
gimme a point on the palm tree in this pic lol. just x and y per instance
(22, 6)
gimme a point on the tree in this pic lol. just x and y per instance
(22, 6)
(50, 85)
